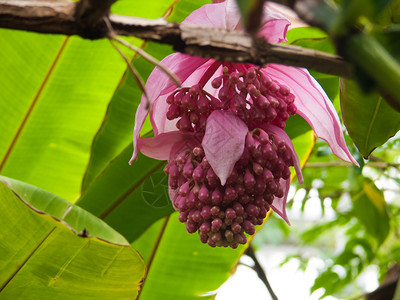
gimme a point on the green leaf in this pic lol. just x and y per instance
(42, 257)
(391, 15)
(48, 125)
(369, 120)
(371, 209)
(123, 195)
(354, 9)
(329, 281)
(304, 33)
(296, 126)
(178, 254)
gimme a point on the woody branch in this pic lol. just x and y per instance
(86, 19)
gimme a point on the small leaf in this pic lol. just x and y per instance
(371, 209)
(328, 280)
(369, 120)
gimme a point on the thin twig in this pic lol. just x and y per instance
(143, 53)
(260, 271)
(135, 74)
(150, 59)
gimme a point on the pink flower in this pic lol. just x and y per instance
(223, 132)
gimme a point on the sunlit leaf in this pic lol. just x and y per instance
(58, 102)
(71, 255)
(124, 195)
(371, 209)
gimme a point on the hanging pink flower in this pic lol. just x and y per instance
(223, 132)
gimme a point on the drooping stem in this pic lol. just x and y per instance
(135, 74)
(260, 271)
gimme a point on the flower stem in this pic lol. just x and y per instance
(260, 271)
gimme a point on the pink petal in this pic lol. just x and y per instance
(159, 86)
(314, 106)
(279, 204)
(275, 24)
(162, 146)
(172, 193)
(189, 70)
(288, 13)
(226, 15)
(219, 15)
(223, 142)
(282, 134)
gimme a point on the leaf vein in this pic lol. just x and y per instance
(378, 104)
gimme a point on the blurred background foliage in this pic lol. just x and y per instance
(349, 217)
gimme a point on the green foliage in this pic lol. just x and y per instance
(363, 229)
(375, 121)
(371, 209)
(43, 256)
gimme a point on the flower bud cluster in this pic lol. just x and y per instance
(192, 106)
(223, 214)
(256, 98)
(252, 95)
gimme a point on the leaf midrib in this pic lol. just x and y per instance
(32, 106)
(27, 259)
(370, 126)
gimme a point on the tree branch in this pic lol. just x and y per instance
(90, 14)
(70, 18)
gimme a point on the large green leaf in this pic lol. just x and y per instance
(57, 90)
(43, 257)
(369, 120)
(181, 267)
